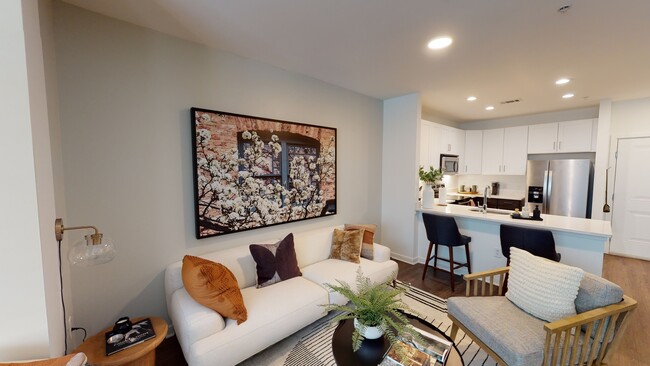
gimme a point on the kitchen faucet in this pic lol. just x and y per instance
(485, 197)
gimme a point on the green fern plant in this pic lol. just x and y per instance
(373, 304)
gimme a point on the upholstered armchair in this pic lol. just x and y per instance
(514, 337)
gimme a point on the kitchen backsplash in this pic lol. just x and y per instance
(513, 185)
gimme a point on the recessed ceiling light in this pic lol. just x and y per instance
(562, 81)
(568, 95)
(440, 42)
(489, 108)
(471, 98)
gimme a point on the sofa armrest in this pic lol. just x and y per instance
(605, 323)
(493, 275)
(380, 253)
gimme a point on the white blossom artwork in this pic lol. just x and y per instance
(253, 172)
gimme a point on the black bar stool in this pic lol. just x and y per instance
(537, 242)
(442, 230)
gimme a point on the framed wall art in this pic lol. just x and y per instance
(252, 172)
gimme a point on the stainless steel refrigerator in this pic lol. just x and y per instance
(560, 187)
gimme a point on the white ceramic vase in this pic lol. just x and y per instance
(427, 196)
(368, 332)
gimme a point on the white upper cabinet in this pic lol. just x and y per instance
(542, 138)
(471, 160)
(505, 151)
(429, 145)
(436, 139)
(492, 151)
(452, 141)
(574, 136)
(561, 137)
(515, 148)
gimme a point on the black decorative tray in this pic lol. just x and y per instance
(518, 217)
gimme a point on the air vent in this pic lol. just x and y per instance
(511, 101)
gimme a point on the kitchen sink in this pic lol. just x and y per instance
(492, 211)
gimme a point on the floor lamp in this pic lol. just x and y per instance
(94, 249)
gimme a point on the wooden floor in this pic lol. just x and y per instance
(633, 275)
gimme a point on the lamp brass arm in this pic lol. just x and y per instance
(59, 229)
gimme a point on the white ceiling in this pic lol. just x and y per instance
(502, 50)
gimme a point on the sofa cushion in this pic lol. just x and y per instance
(214, 286)
(275, 262)
(368, 238)
(193, 321)
(511, 333)
(274, 313)
(313, 245)
(331, 270)
(346, 245)
(541, 287)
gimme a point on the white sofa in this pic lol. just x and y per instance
(274, 312)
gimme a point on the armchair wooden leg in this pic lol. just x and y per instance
(454, 331)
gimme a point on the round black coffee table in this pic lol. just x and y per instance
(372, 350)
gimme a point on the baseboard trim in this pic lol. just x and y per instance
(403, 258)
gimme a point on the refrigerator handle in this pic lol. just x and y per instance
(549, 191)
(545, 192)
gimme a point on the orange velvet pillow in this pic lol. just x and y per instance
(214, 286)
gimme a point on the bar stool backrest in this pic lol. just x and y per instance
(442, 230)
(535, 241)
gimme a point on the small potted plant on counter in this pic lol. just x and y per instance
(376, 309)
(432, 181)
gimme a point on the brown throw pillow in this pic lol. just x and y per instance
(368, 238)
(346, 245)
(214, 286)
(275, 262)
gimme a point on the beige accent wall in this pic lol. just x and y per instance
(125, 94)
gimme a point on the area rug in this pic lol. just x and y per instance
(312, 346)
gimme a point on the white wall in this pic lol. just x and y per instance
(399, 175)
(532, 119)
(29, 309)
(125, 94)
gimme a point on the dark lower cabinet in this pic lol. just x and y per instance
(500, 203)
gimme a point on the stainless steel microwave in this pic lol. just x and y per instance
(449, 163)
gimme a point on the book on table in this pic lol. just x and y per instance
(139, 332)
(434, 346)
(404, 354)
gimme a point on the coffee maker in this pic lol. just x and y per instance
(495, 188)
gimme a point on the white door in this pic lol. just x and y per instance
(542, 138)
(631, 204)
(574, 136)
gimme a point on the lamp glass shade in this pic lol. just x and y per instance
(84, 253)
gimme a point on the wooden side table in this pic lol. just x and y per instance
(143, 354)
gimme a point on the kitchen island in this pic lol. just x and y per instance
(580, 241)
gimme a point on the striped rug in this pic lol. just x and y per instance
(315, 347)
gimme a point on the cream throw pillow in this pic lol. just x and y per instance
(542, 288)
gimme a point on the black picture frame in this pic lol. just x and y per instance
(252, 172)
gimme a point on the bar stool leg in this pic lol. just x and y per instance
(426, 261)
(469, 265)
(451, 266)
(435, 259)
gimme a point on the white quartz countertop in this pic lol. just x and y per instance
(550, 222)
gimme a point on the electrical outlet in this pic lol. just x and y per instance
(497, 253)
